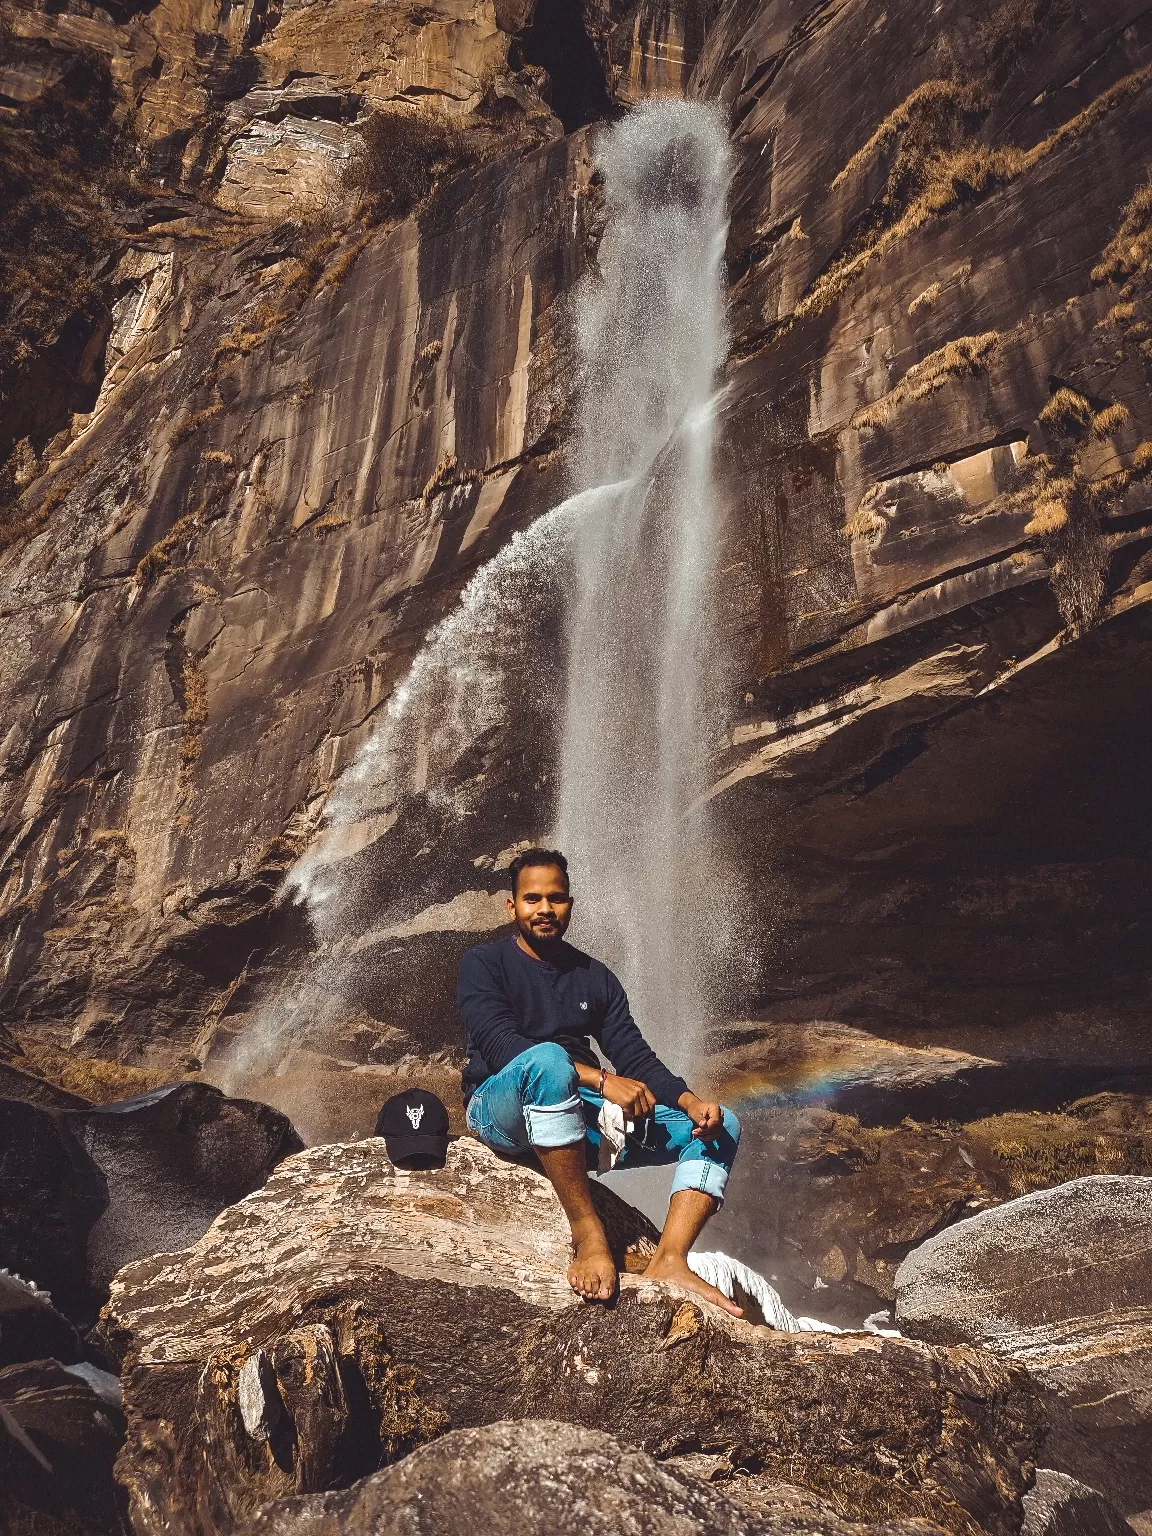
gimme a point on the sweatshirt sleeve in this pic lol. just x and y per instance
(629, 1052)
(492, 1027)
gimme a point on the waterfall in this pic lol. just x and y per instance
(627, 561)
(637, 715)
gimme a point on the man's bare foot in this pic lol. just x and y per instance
(592, 1273)
(666, 1266)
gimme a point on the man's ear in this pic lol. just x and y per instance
(511, 905)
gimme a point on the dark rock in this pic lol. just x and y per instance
(537, 1476)
(51, 1194)
(171, 1161)
(85, 1191)
(31, 1089)
(348, 1312)
(1058, 1505)
(58, 1442)
(31, 1328)
(1061, 1282)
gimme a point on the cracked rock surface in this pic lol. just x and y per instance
(384, 1307)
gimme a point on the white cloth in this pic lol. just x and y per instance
(727, 1273)
(613, 1128)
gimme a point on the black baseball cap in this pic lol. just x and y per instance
(414, 1124)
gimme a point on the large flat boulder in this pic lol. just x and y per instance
(1060, 1281)
(532, 1476)
(349, 1312)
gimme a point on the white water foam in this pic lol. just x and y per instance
(638, 712)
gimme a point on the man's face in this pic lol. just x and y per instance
(542, 905)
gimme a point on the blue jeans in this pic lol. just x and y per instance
(537, 1101)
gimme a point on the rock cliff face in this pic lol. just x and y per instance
(300, 434)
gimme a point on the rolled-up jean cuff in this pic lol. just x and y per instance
(555, 1125)
(699, 1173)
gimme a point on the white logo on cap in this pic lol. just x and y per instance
(415, 1113)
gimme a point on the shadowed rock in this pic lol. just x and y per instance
(51, 1194)
(58, 1440)
(348, 1312)
(83, 1192)
(171, 1161)
(534, 1476)
(30, 1326)
(1060, 1506)
(1060, 1281)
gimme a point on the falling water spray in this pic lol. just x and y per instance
(638, 710)
(628, 560)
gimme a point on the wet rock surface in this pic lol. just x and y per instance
(531, 1476)
(1059, 1281)
(407, 1304)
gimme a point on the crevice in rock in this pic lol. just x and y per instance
(556, 40)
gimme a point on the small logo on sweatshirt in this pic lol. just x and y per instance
(584, 1006)
(415, 1113)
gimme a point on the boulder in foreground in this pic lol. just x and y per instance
(1060, 1281)
(349, 1312)
(533, 1476)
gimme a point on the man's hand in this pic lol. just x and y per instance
(633, 1097)
(705, 1115)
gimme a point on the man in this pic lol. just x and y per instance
(532, 1004)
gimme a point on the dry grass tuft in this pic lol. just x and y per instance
(446, 475)
(1068, 412)
(865, 522)
(938, 165)
(195, 710)
(191, 424)
(159, 557)
(966, 355)
(1128, 253)
(91, 1077)
(926, 299)
(919, 116)
(1107, 423)
(1049, 515)
(1038, 1151)
(403, 154)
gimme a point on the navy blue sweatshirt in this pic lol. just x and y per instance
(511, 1002)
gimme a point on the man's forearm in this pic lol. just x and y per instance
(589, 1076)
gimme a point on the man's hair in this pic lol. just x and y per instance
(536, 858)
